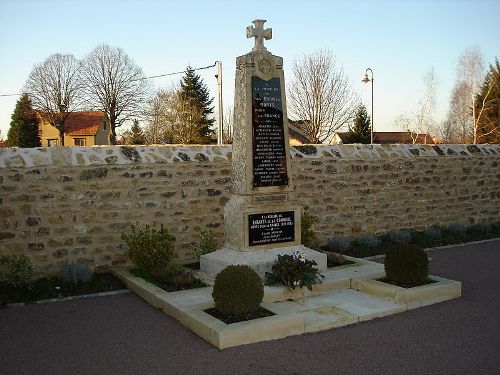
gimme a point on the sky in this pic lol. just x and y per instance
(400, 40)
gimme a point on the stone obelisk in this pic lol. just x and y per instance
(261, 220)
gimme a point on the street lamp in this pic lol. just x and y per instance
(366, 80)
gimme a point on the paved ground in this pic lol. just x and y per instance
(124, 335)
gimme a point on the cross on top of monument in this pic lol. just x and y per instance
(260, 34)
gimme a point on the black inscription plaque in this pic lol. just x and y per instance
(269, 153)
(269, 228)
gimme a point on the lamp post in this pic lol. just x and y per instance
(366, 80)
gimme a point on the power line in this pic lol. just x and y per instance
(172, 74)
(149, 77)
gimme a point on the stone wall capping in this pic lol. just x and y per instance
(165, 154)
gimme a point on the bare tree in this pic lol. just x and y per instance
(470, 69)
(448, 132)
(321, 95)
(115, 85)
(459, 116)
(228, 120)
(422, 121)
(172, 118)
(54, 88)
(156, 131)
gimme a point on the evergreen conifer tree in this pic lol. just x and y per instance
(360, 132)
(137, 134)
(196, 93)
(23, 131)
(134, 136)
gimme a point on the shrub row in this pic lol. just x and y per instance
(369, 244)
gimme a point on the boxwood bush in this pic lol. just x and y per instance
(238, 290)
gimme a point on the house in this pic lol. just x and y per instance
(88, 128)
(3, 144)
(391, 138)
(296, 135)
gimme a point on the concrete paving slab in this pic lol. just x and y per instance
(357, 303)
(324, 318)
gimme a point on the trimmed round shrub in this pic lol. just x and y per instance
(406, 264)
(238, 290)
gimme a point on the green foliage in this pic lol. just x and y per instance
(433, 233)
(149, 248)
(338, 244)
(75, 273)
(196, 92)
(487, 105)
(361, 130)
(172, 279)
(51, 287)
(307, 232)
(294, 270)
(400, 236)
(19, 269)
(481, 228)
(458, 230)
(23, 131)
(207, 243)
(406, 265)
(135, 136)
(238, 290)
(334, 259)
(369, 240)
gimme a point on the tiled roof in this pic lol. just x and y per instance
(83, 123)
(3, 143)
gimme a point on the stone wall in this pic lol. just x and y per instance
(73, 203)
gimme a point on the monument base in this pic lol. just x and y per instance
(260, 261)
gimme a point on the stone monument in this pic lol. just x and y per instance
(261, 220)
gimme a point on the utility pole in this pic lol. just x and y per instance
(220, 126)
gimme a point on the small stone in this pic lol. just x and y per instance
(184, 156)
(31, 221)
(7, 235)
(36, 246)
(16, 177)
(131, 154)
(64, 178)
(93, 174)
(200, 157)
(111, 159)
(60, 253)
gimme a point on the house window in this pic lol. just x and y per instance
(52, 142)
(104, 125)
(79, 141)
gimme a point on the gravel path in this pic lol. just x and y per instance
(122, 334)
